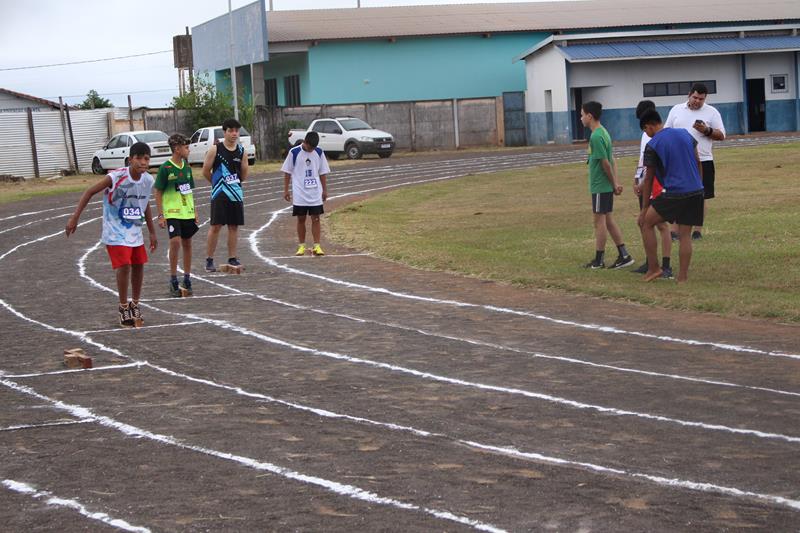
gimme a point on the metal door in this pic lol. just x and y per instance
(514, 119)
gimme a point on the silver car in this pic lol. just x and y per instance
(115, 153)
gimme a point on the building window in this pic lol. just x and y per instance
(271, 92)
(779, 84)
(675, 88)
(291, 86)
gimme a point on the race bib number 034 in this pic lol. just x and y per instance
(132, 213)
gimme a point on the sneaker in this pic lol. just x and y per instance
(696, 235)
(674, 236)
(594, 265)
(232, 261)
(641, 270)
(317, 250)
(135, 313)
(622, 262)
(210, 265)
(125, 316)
(301, 250)
(187, 286)
(666, 273)
(174, 289)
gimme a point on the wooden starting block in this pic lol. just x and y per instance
(77, 358)
(230, 269)
(185, 293)
(138, 322)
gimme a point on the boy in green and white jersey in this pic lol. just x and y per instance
(175, 203)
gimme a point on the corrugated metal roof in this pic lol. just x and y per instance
(376, 22)
(677, 47)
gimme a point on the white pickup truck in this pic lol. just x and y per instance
(346, 135)
(205, 138)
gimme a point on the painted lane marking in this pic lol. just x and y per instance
(45, 425)
(28, 490)
(335, 487)
(76, 370)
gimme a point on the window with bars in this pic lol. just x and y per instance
(676, 88)
(271, 92)
(291, 86)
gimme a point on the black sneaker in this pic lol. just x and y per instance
(674, 236)
(210, 265)
(125, 316)
(594, 265)
(641, 270)
(135, 313)
(234, 262)
(696, 235)
(666, 273)
(622, 262)
(174, 289)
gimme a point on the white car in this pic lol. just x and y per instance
(205, 138)
(347, 135)
(115, 153)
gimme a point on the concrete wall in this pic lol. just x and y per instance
(547, 71)
(781, 108)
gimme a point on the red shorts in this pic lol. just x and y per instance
(126, 255)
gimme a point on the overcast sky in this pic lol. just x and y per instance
(40, 32)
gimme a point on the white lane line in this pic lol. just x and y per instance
(28, 490)
(475, 342)
(157, 326)
(225, 325)
(75, 370)
(335, 487)
(45, 425)
(689, 485)
(503, 310)
(327, 255)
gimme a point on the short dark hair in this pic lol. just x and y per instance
(139, 148)
(699, 88)
(593, 108)
(643, 106)
(650, 116)
(312, 139)
(177, 140)
(231, 123)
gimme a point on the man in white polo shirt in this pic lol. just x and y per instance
(705, 124)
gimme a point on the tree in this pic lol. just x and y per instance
(94, 101)
(206, 105)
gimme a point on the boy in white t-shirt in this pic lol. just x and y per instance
(306, 168)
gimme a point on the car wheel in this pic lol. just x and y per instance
(97, 168)
(384, 155)
(353, 151)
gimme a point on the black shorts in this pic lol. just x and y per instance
(225, 212)
(686, 210)
(708, 178)
(303, 210)
(602, 202)
(183, 228)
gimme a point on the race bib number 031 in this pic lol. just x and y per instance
(132, 213)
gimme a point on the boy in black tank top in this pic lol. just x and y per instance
(226, 167)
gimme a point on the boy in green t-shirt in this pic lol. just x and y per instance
(603, 185)
(175, 203)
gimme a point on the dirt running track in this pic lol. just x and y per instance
(345, 393)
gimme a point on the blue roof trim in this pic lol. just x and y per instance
(679, 47)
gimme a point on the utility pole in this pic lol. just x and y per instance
(233, 66)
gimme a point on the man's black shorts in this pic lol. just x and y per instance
(602, 202)
(183, 228)
(225, 212)
(303, 210)
(686, 209)
(708, 178)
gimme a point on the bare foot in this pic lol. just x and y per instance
(683, 279)
(652, 274)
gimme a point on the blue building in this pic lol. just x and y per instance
(413, 53)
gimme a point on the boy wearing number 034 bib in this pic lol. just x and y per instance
(306, 168)
(126, 197)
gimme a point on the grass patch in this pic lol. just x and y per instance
(533, 228)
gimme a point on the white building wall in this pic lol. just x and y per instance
(13, 104)
(546, 71)
(619, 84)
(764, 65)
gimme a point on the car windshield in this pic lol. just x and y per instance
(151, 137)
(351, 124)
(242, 133)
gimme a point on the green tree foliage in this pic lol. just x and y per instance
(94, 101)
(206, 105)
